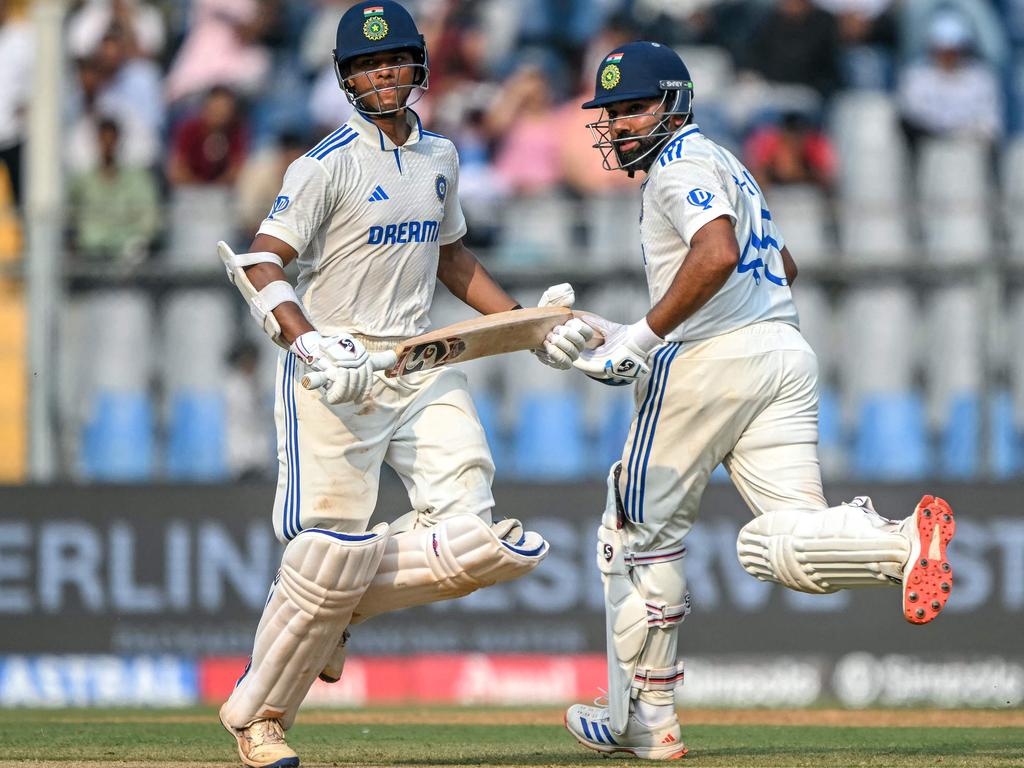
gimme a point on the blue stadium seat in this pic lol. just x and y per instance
(196, 437)
(612, 432)
(1007, 447)
(960, 440)
(549, 441)
(117, 441)
(892, 440)
(489, 411)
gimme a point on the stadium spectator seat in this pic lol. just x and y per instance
(118, 443)
(196, 432)
(892, 439)
(1012, 172)
(955, 344)
(118, 436)
(953, 188)
(198, 329)
(816, 325)
(198, 216)
(802, 214)
(536, 230)
(1007, 443)
(613, 230)
(874, 202)
(878, 343)
(710, 68)
(549, 439)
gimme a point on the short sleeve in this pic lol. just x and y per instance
(691, 195)
(307, 197)
(453, 226)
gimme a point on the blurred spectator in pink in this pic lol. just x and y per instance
(260, 179)
(796, 43)
(92, 100)
(15, 89)
(209, 147)
(141, 24)
(115, 209)
(524, 124)
(792, 152)
(952, 93)
(222, 48)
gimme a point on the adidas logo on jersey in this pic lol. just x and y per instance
(378, 195)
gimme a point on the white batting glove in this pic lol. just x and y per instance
(344, 362)
(622, 359)
(565, 342)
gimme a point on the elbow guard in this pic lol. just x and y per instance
(261, 302)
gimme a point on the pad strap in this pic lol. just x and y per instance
(663, 679)
(633, 559)
(665, 615)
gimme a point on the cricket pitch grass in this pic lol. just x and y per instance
(450, 737)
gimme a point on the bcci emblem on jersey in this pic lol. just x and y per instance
(374, 28)
(441, 186)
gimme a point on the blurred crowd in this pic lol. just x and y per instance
(225, 93)
(887, 133)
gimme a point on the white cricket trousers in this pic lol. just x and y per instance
(747, 399)
(424, 425)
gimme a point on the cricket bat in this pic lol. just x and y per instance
(483, 336)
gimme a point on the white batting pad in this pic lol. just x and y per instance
(645, 600)
(825, 550)
(323, 575)
(457, 556)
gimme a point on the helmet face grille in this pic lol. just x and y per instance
(612, 155)
(405, 95)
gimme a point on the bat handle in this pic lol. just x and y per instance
(379, 361)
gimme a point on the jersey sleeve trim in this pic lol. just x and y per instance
(281, 232)
(455, 236)
(693, 226)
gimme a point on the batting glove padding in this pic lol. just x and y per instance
(564, 343)
(622, 359)
(344, 362)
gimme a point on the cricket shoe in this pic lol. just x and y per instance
(927, 576)
(261, 744)
(650, 742)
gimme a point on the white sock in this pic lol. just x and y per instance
(653, 714)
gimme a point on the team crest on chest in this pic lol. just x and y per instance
(375, 28)
(441, 186)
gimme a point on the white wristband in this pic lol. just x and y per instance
(642, 338)
(307, 346)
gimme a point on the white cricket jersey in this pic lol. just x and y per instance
(692, 182)
(367, 219)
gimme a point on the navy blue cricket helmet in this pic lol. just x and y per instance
(377, 27)
(640, 70)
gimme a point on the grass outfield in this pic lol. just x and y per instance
(479, 736)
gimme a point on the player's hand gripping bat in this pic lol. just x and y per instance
(496, 334)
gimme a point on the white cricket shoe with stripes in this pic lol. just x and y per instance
(658, 742)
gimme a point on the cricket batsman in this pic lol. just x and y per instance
(372, 216)
(722, 375)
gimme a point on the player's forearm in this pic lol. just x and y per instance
(288, 314)
(464, 275)
(700, 277)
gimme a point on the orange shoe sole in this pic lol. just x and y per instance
(928, 581)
